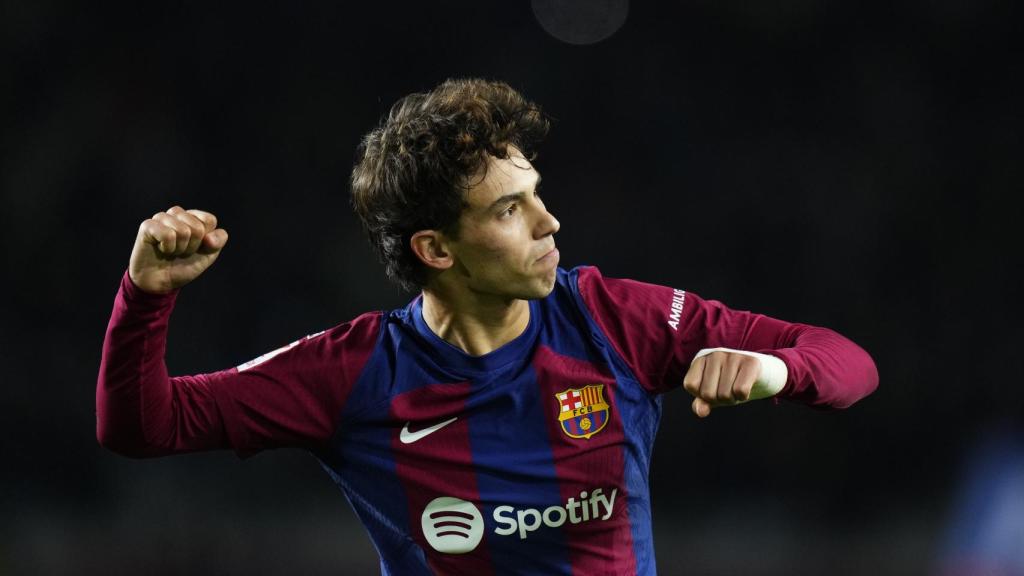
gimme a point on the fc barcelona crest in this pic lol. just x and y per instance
(582, 412)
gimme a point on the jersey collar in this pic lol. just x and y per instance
(454, 357)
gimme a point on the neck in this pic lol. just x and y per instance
(475, 323)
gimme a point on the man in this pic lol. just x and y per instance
(503, 421)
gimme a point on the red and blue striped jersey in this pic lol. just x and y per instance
(532, 459)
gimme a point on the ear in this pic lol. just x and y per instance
(431, 249)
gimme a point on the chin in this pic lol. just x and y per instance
(542, 288)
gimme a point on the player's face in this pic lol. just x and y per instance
(506, 242)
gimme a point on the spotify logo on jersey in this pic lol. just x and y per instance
(451, 525)
(454, 526)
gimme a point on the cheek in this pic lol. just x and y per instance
(497, 241)
(499, 249)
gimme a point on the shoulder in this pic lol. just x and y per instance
(566, 292)
(571, 281)
(617, 297)
(360, 331)
(589, 280)
(364, 325)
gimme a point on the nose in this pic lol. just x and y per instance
(547, 225)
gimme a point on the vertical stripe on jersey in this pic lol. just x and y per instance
(362, 463)
(439, 465)
(584, 465)
(642, 413)
(515, 468)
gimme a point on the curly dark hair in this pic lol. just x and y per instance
(413, 170)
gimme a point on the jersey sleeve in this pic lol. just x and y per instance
(292, 396)
(657, 331)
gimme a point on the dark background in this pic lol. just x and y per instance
(840, 164)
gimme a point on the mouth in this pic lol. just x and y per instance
(549, 258)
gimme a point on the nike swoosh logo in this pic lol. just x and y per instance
(408, 437)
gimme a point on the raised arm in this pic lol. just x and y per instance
(292, 396)
(138, 411)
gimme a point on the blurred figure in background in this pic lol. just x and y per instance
(985, 534)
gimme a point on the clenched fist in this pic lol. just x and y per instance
(173, 248)
(724, 377)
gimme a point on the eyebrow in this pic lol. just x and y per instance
(513, 196)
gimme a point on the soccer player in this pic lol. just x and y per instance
(502, 421)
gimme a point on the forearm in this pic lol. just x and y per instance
(140, 411)
(825, 369)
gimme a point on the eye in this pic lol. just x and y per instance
(509, 211)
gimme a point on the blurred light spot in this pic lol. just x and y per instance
(581, 21)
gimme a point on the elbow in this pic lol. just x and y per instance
(861, 381)
(109, 434)
(870, 378)
(118, 429)
(865, 375)
(872, 381)
(121, 443)
(107, 437)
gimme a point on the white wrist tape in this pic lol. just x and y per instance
(773, 372)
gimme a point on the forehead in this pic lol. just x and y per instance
(503, 176)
